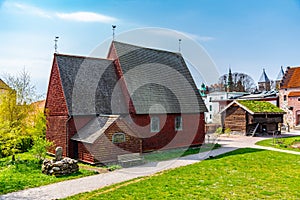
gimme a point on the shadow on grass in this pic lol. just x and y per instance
(238, 152)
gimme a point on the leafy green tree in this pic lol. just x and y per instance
(16, 114)
(38, 130)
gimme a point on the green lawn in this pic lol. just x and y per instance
(180, 152)
(281, 143)
(241, 174)
(26, 173)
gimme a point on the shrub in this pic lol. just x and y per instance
(219, 130)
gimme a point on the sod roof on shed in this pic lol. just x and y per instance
(260, 106)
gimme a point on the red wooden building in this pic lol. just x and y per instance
(137, 100)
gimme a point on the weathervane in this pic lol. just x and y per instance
(55, 44)
(179, 45)
(113, 29)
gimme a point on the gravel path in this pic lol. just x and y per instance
(72, 187)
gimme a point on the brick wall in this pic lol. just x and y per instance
(291, 116)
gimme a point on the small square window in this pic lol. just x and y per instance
(178, 123)
(210, 116)
(118, 138)
(154, 124)
(284, 97)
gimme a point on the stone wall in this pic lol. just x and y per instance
(62, 167)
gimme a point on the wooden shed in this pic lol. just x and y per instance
(249, 117)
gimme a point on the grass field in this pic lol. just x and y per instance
(27, 173)
(241, 174)
(281, 143)
(175, 153)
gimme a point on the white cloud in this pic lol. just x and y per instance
(80, 16)
(178, 34)
(24, 8)
(86, 17)
(199, 38)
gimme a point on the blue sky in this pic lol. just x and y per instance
(247, 35)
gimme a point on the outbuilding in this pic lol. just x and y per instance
(249, 117)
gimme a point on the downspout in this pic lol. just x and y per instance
(67, 135)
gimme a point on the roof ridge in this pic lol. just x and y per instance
(79, 56)
(154, 49)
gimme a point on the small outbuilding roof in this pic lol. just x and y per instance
(256, 107)
(94, 129)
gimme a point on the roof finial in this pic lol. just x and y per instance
(179, 45)
(55, 44)
(113, 29)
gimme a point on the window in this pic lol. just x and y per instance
(284, 97)
(210, 107)
(210, 99)
(298, 99)
(222, 98)
(210, 116)
(178, 123)
(118, 138)
(154, 124)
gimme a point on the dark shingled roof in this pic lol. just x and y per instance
(158, 81)
(94, 129)
(88, 85)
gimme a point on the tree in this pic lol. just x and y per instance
(240, 82)
(16, 114)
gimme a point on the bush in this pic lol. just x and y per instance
(219, 130)
(227, 131)
(39, 149)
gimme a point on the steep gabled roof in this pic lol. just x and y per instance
(256, 107)
(264, 78)
(291, 78)
(280, 74)
(89, 84)
(3, 85)
(156, 77)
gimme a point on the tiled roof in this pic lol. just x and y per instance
(294, 94)
(94, 129)
(89, 84)
(158, 81)
(291, 78)
(3, 85)
(264, 78)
